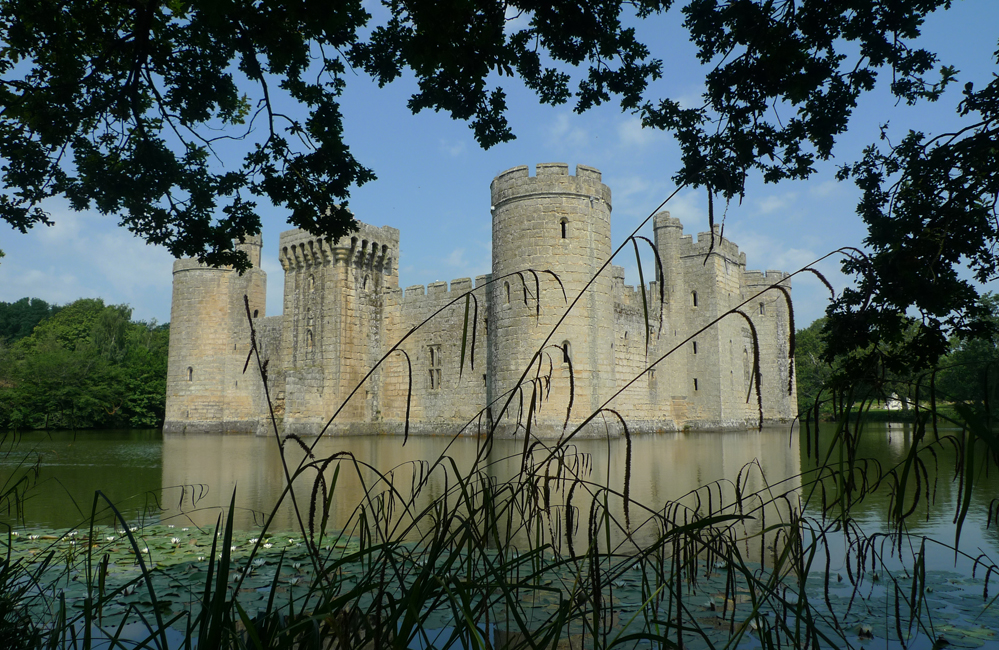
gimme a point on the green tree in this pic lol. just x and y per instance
(87, 366)
(967, 372)
(120, 107)
(18, 319)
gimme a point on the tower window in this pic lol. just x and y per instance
(190, 373)
(506, 291)
(435, 366)
(693, 298)
(695, 347)
(485, 325)
(308, 339)
(564, 223)
(256, 312)
(763, 310)
(566, 352)
(695, 383)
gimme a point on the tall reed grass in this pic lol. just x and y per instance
(554, 557)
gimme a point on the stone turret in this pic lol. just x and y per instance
(333, 321)
(209, 340)
(560, 223)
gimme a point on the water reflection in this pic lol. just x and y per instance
(200, 472)
(193, 477)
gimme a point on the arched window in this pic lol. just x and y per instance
(190, 373)
(566, 352)
(763, 310)
(695, 347)
(308, 339)
(312, 283)
(564, 223)
(364, 285)
(256, 312)
(506, 292)
(693, 298)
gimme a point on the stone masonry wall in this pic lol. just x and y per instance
(354, 350)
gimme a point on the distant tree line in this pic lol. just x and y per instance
(969, 372)
(83, 365)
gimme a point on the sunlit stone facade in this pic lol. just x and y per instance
(547, 322)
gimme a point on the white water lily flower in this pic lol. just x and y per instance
(201, 558)
(259, 562)
(33, 536)
(268, 545)
(14, 534)
(133, 529)
(175, 540)
(254, 540)
(232, 548)
(297, 565)
(170, 526)
(110, 538)
(146, 550)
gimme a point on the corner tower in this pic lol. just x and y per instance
(207, 391)
(560, 223)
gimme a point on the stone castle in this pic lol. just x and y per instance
(344, 310)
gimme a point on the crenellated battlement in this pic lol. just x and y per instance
(722, 246)
(764, 278)
(550, 179)
(370, 246)
(438, 290)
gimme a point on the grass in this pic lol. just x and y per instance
(551, 558)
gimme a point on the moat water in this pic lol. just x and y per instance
(189, 480)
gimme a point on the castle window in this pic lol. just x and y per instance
(190, 373)
(364, 285)
(693, 298)
(312, 283)
(435, 366)
(695, 347)
(506, 291)
(566, 352)
(308, 339)
(564, 223)
(763, 310)
(256, 312)
(485, 326)
(695, 383)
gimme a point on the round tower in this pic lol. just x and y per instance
(199, 335)
(560, 223)
(209, 339)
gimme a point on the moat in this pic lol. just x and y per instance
(186, 480)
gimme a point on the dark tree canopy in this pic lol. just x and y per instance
(121, 109)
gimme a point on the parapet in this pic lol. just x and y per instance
(722, 246)
(550, 178)
(766, 278)
(438, 290)
(369, 245)
(663, 220)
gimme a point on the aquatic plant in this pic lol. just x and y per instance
(552, 557)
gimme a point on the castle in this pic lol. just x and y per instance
(344, 310)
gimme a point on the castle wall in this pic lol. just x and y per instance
(330, 358)
(443, 394)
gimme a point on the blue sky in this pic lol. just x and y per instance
(433, 184)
